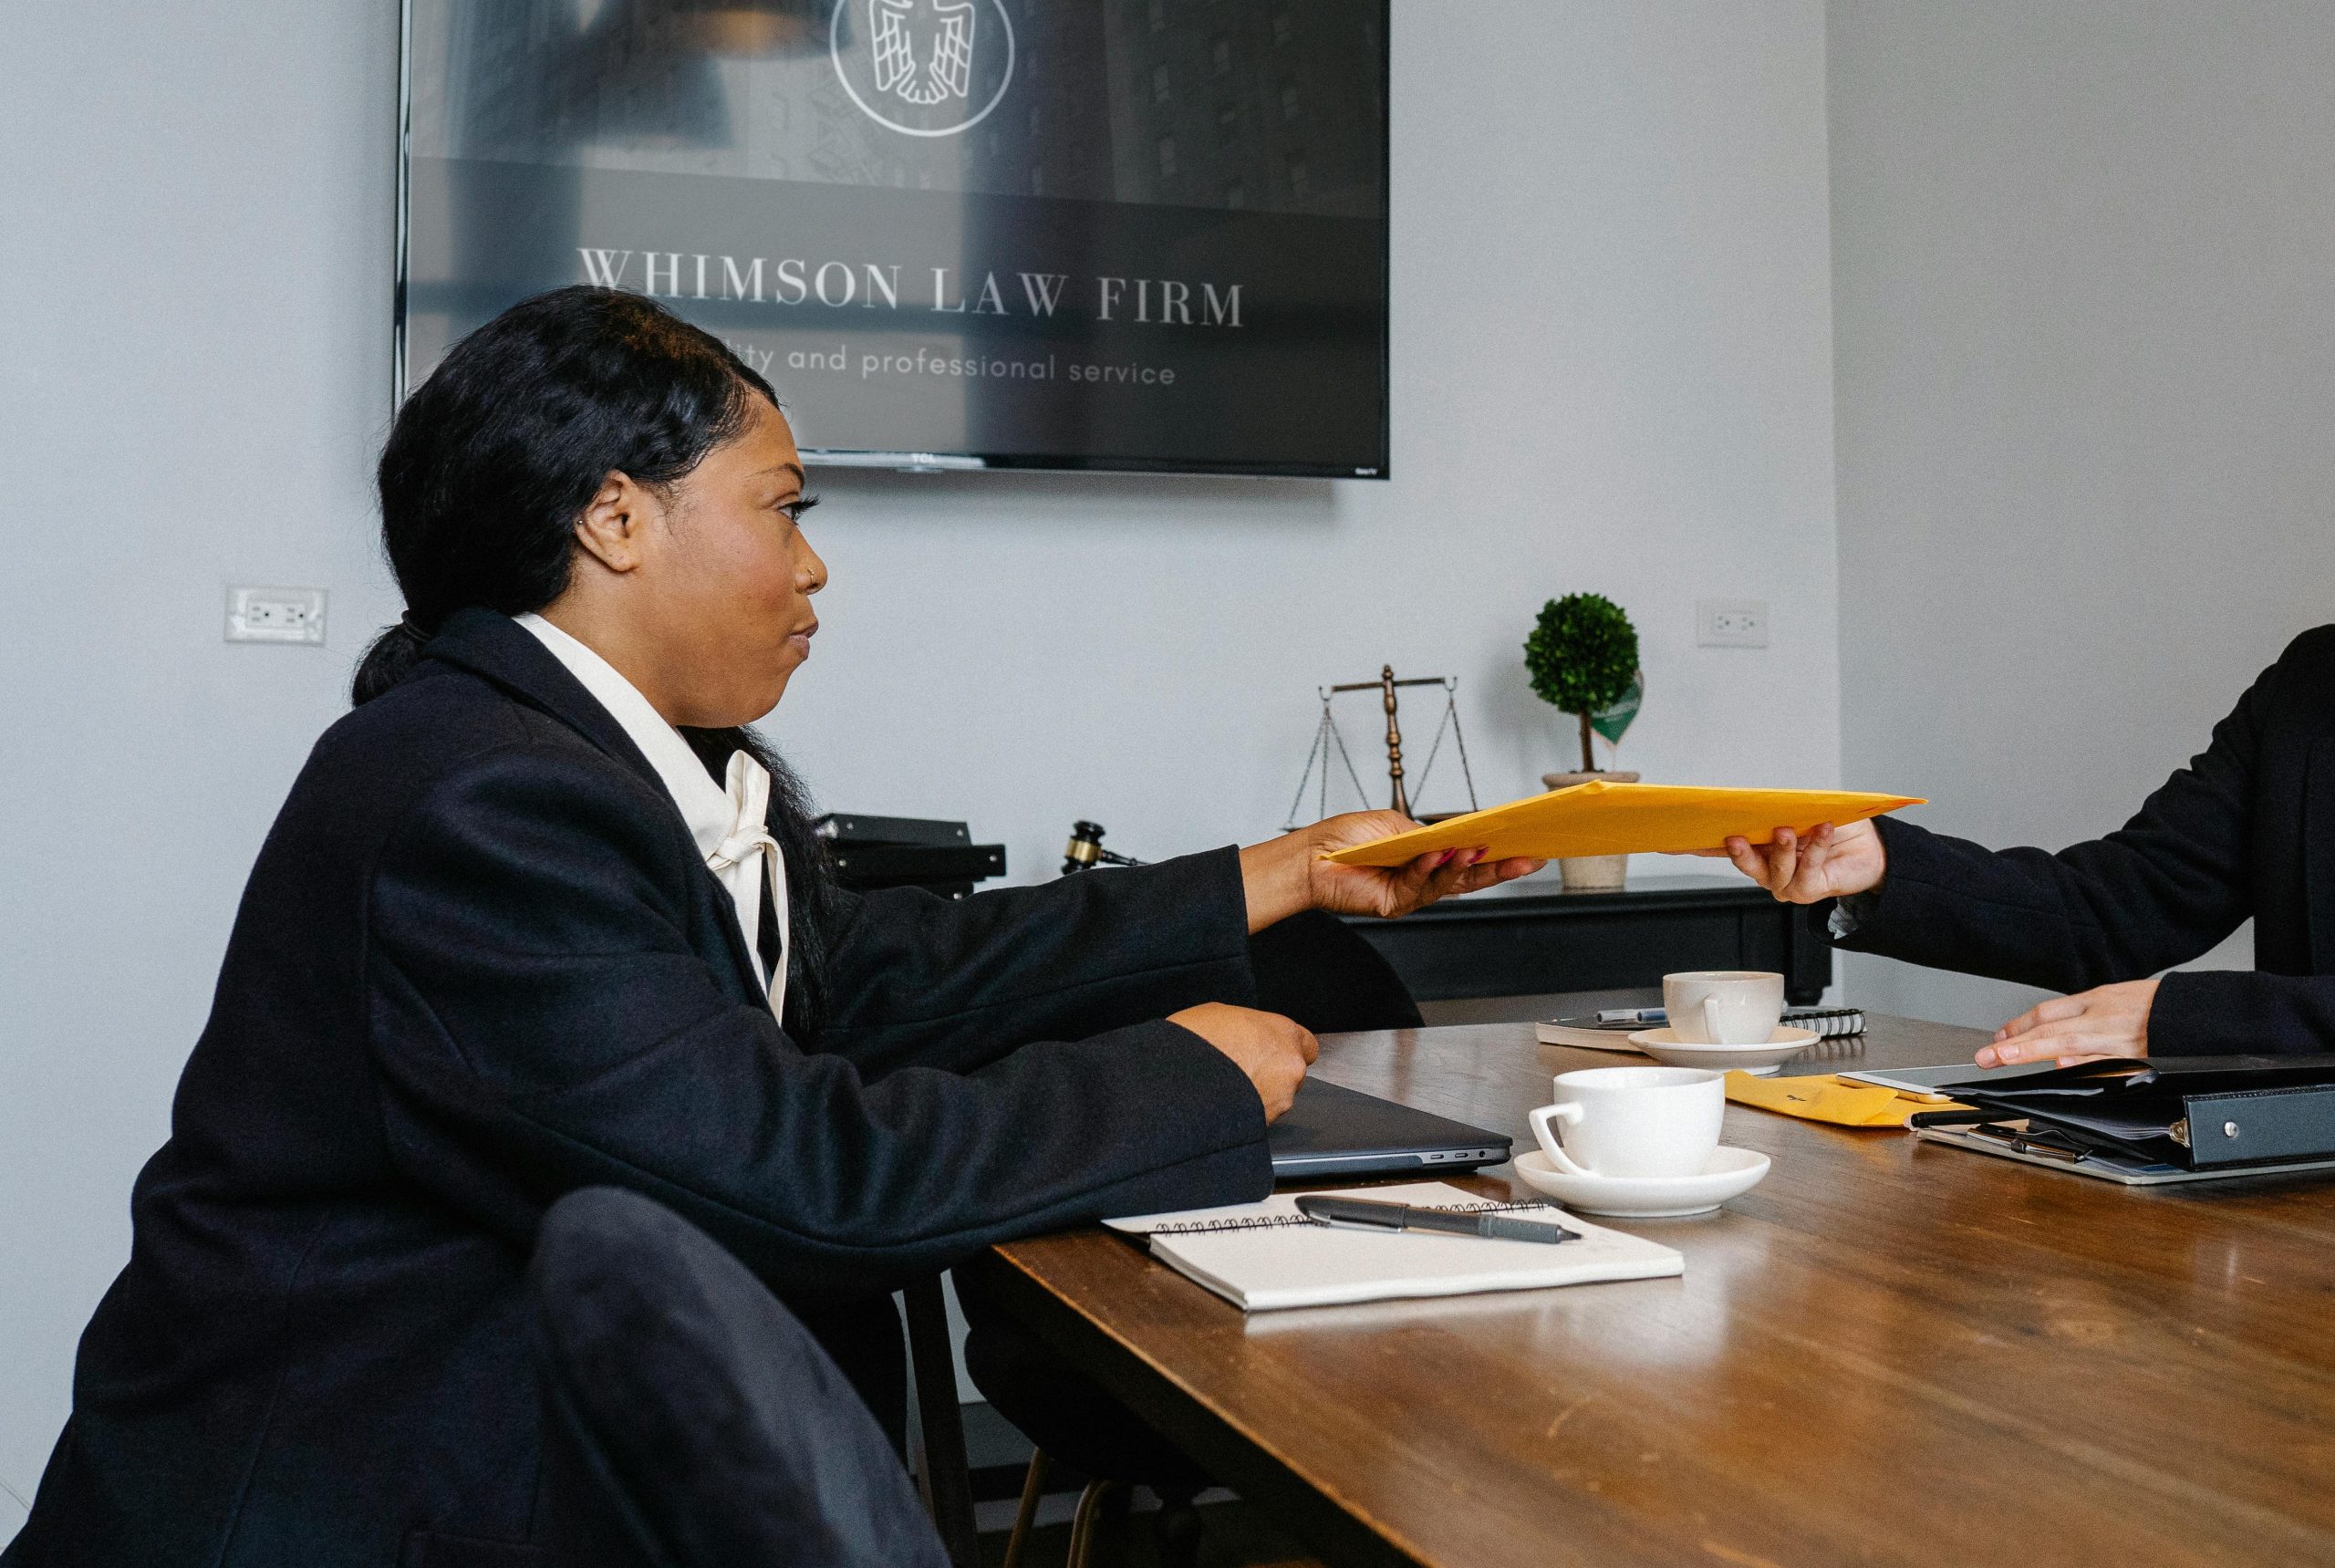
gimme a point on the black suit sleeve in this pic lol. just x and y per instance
(2159, 891)
(541, 1022)
(959, 982)
(2211, 1012)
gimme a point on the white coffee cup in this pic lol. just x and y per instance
(1723, 1006)
(1633, 1121)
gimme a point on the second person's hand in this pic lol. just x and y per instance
(1828, 863)
(1274, 1051)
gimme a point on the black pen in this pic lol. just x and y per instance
(1361, 1214)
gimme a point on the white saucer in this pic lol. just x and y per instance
(1731, 1173)
(1759, 1060)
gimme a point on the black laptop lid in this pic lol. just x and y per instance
(1331, 1131)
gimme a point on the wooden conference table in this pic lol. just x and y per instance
(1888, 1352)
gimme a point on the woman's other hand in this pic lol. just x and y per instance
(2106, 1020)
(1286, 875)
(1829, 863)
(1274, 1051)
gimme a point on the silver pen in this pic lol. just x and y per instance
(1362, 1214)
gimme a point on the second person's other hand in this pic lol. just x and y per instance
(2106, 1020)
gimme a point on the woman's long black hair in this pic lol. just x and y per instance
(495, 456)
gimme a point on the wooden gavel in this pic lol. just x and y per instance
(1085, 851)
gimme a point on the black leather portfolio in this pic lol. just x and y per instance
(2195, 1114)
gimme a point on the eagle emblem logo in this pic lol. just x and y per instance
(923, 68)
(945, 30)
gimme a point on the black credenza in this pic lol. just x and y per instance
(1532, 937)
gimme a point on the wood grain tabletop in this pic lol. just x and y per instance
(1889, 1352)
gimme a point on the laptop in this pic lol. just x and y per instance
(1331, 1131)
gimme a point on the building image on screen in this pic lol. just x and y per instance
(1145, 234)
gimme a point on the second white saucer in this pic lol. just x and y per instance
(1759, 1060)
(1729, 1173)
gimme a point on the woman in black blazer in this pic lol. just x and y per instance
(491, 952)
(2245, 830)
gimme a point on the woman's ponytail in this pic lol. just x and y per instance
(395, 651)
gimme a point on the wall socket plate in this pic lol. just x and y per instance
(275, 615)
(1731, 623)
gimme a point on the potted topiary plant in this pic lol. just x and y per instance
(1582, 658)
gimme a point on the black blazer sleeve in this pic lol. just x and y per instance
(959, 982)
(2160, 890)
(541, 1022)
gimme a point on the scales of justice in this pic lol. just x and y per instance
(1327, 739)
(1085, 851)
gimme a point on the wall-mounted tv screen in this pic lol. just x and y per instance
(1143, 235)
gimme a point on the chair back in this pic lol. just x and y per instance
(1317, 969)
(690, 1420)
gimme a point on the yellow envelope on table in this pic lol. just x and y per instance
(1827, 1098)
(1603, 818)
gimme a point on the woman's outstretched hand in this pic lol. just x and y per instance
(1829, 863)
(2106, 1020)
(1283, 876)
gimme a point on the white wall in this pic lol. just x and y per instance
(1611, 367)
(194, 222)
(2083, 350)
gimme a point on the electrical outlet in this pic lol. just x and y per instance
(275, 615)
(1731, 623)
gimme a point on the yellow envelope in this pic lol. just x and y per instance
(1827, 1098)
(1603, 818)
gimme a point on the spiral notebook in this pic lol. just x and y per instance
(1264, 1256)
(1595, 1032)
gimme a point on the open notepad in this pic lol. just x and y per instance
(1261, 1256)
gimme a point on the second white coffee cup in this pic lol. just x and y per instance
(1633, 1121)
(1723, 1006)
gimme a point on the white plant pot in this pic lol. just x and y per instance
(1592, 872)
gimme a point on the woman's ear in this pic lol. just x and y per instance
(614, 525)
